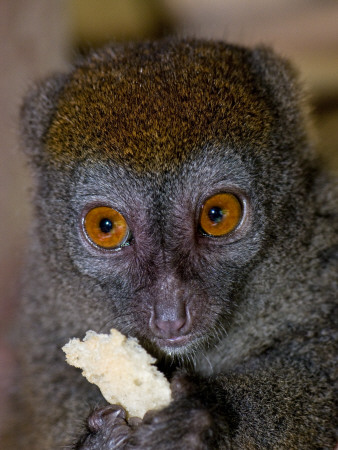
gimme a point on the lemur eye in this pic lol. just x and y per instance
(106, 227)
(220, 214)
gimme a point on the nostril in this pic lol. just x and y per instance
(170, 326)
(170, 323)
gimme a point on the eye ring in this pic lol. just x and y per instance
(220, 214)
(106, 228)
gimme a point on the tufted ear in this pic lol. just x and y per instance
(279, 81)
(276, 73)
(37, 112)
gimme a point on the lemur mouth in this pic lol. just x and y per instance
(178, 340)
(170, 344)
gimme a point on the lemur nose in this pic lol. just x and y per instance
(165, 327)
(170, 328)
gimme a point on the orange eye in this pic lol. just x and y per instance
(106, 227)
(220, 214)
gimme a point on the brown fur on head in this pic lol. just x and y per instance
(136, 105)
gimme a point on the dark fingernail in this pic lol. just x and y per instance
(134, 421)
(97, 419)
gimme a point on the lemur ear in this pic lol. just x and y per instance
(36, 113)
(281, 86)
(276, 73)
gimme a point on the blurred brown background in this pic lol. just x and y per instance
(40, 36)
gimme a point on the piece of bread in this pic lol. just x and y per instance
(122, 369)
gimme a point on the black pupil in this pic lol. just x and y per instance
(106, 225)
(215, 214)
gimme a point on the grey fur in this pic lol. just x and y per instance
(261, 372)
